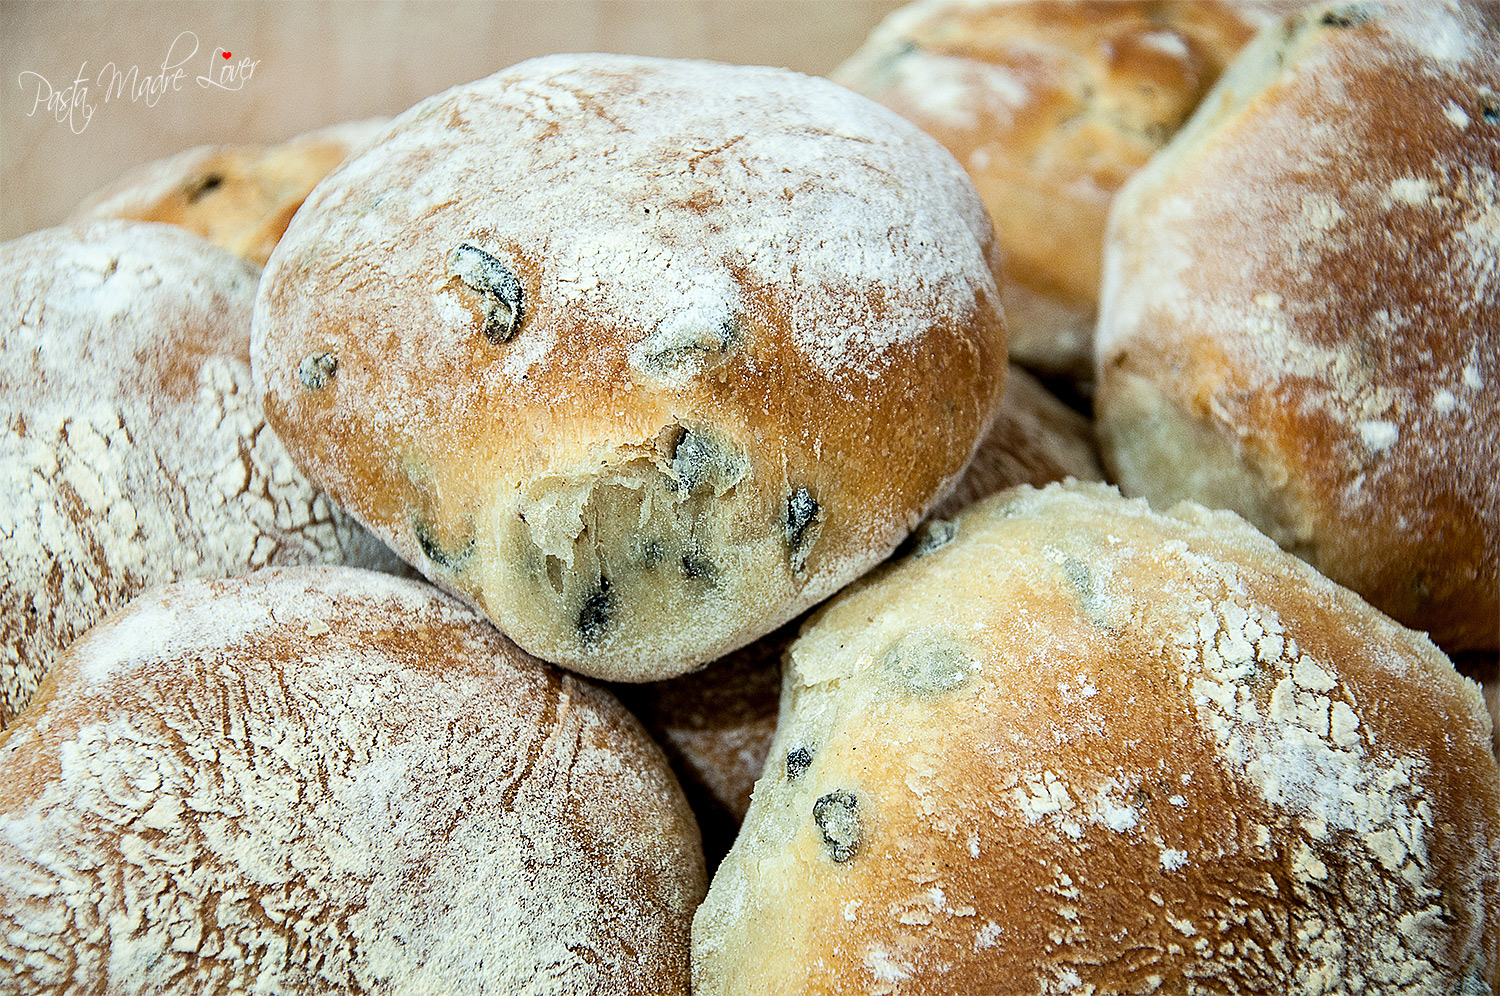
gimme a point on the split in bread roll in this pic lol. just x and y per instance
(641, 356)
(323, 780)
(239, 197)
(1089, 747)
(1301, 314)
(1050, 107)
(133, 450)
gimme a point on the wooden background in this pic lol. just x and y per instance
(317, 62)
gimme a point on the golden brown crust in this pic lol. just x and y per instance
(1086, 745)
(1300, 316)
(239, 197)
(1050, 107)
(331, 781)
(740, 367)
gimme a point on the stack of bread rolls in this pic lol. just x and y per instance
(733, 388)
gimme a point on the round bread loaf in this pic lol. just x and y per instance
(1085, 747)
(322, 780)
(1301, 314)
(239, 197)
(1050, 107)
(641, 356)
(134, 451)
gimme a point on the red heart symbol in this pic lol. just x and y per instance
(226, 55)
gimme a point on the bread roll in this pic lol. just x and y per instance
(1050, 107)
(1085, 747)
(239, 197)
(1301, 319)
(642, 356)
(134, 451)
(322, 780)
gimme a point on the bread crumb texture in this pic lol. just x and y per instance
(321, 780)
(134, 449)
(1096, 749)
(1301, 302)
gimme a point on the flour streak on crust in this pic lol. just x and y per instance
(324, 780)
(134, 451)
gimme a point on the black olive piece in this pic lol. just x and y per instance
(1351, 16)
(932, 536)
(837, 817)
(697, 567)
(669, 349)
(316, 370)
(927, 664)
(801, 512)
(701, 459)
(433, 548)
(484, 273)
(210, 182)
(596, 613)
(692, 458)
(798, 760)
(1489, 106)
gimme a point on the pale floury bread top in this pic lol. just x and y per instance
(1301, 315)
(134, 450)
(1087, 747)
(322, 780)
(642, 356)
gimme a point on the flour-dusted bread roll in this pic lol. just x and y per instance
(1085, 747)
(133, 450)
(323, 780)
(239, 197)
(1050, 107)
(641, 356)
(1301, 315)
